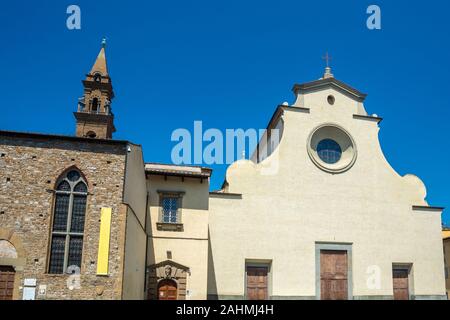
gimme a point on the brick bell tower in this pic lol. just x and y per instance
(94, 116)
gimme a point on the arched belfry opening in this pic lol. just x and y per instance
(95, 105)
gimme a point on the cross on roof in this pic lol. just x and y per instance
(327, 58)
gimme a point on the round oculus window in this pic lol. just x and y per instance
(73, 175)
(331, 99)
(331, 148)
(329, 151)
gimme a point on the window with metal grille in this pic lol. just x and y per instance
(170, 209)
(170, 206)
(68, 222)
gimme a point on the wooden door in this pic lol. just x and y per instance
(6, 282)
(257, 283)
(333, 275)
(167, 290)
(401, 284)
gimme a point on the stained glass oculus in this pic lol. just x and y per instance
(73, 175)
(329, 151)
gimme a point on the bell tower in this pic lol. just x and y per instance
(94, 116)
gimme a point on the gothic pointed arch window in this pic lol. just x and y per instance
(66, 244)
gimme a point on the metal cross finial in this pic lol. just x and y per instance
(327, 58)
(104, 42)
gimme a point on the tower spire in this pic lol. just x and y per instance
(100, 65)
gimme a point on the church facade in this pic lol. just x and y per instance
(317, 213)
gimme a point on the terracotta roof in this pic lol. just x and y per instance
(177, 170)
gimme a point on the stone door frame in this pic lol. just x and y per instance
(335, 246)
(166, 270)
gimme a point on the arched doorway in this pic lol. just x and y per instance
(158, 274)
(8, 254)
(12, 263)
(167, 290)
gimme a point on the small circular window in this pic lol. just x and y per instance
(329, 151)
(331, 99)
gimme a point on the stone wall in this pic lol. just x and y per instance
(29, 168)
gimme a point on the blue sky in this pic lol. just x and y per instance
(229, 63)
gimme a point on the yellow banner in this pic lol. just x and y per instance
(103, 243)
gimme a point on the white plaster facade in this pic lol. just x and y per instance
(189, 245)
(283, 214)
(286, 205)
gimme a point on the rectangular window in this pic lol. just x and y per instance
(170, 205)
(169, 209)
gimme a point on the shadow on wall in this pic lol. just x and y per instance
(211, 280)
(194, 203)
(150, 256)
